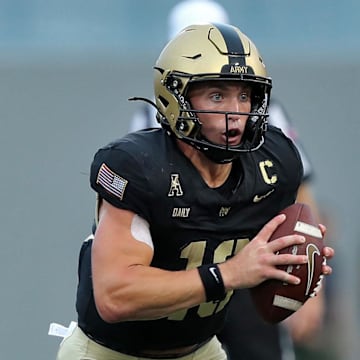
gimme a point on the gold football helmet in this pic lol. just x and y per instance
(203, 53)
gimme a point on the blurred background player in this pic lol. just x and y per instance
(246, 335)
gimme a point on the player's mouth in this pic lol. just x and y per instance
(232, 136)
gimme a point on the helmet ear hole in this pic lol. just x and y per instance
(163, 101)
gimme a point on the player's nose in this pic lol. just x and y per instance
(235, 108)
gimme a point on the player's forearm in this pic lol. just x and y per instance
(148, 293)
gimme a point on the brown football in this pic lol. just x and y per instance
(276, 300)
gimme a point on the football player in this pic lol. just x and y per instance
(244, 328)
(185, 211)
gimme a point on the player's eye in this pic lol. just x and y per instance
(244, 97)
(216, 97)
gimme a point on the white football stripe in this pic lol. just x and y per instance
(287, 303)
(308, 229)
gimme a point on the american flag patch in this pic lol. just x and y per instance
(113, 183)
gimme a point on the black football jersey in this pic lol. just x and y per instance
(190, 223)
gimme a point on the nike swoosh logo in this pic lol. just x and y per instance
(258, 198)
(213, 273)
(311, 251)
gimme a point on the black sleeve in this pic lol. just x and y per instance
(119, 179)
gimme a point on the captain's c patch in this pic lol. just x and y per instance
(111, 182)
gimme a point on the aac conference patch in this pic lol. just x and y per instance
(111, 182)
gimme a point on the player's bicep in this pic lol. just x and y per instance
(122, 239)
